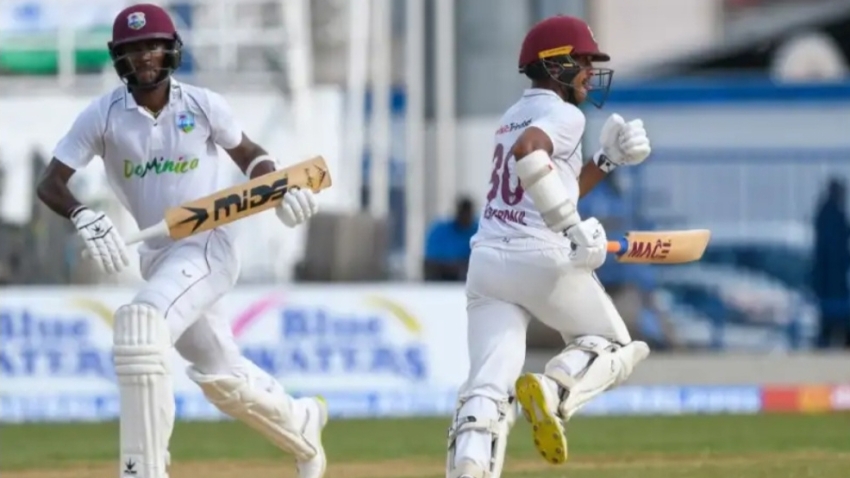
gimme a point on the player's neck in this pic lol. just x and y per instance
(546, 85)
(153, 99)
(541, 85)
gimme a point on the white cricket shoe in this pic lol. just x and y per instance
(316, 411)
(538, 397)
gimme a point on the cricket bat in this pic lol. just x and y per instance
(660, 247)
(237, 202)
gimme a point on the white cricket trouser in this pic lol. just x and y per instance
(184, 282)
(507, 288)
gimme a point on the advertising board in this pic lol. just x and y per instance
(371, 350)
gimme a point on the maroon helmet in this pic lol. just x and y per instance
(551, 49)
(139, 25)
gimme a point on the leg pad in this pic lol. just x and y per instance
(141, 342)
(478, 437)
(259, 401)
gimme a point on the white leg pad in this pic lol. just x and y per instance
(259, 401)
(609, 365)
(478, 438)
(141, 341)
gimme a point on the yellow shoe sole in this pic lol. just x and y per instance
(549, 437)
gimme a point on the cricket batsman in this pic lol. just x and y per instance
(157, 138)
(533, 257)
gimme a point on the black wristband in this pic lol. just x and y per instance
(603, 163)
(76, 210)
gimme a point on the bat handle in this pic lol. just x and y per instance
(619, 246)
(159, 229)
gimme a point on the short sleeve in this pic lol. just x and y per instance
(226, 132)
(84, 140)
(565, 126)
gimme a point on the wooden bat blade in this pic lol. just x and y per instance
(661, 247)
(237, 202)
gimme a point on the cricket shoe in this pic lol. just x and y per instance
(317, 417)
(538, 398)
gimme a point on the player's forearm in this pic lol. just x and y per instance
(263, 167)
(56, 196)
(53, 189)
(251, 158)
(251, 152)
(589, 177)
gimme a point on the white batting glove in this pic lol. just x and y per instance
(590, 244)
(103, 243)
(297, 206)
(622, 143)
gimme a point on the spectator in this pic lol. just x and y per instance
(830, 267)
(447, 244)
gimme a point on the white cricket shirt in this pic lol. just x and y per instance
(152, 163)
(508, 212)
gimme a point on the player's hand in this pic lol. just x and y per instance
(297, 206)
(103, 243)
(590, 244)
(623, 144)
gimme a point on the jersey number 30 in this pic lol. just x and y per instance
(500, 179)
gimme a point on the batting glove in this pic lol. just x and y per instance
(622, 143)
(103, 243)
(297, 206)
(589, 244)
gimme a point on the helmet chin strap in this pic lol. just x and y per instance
(144, 87)
(568, 92)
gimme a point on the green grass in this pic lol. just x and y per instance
(774, 446)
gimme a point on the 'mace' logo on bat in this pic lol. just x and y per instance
(648, 250)
(249, 199)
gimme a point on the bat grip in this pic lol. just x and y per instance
(619, 246)
(159, 229)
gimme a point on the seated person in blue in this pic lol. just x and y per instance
(447, 244)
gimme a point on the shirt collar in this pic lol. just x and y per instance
(174, 94)
(529, 92)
